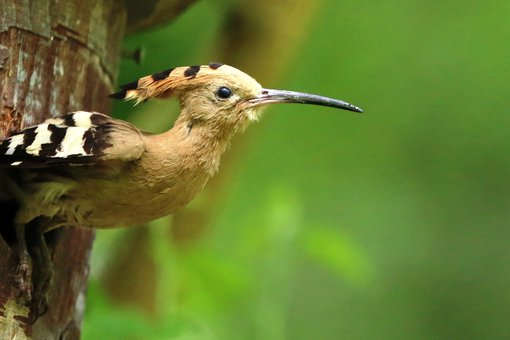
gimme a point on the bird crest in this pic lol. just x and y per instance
(168, 82)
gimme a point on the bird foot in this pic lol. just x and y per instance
(42, 285)
(35, 273)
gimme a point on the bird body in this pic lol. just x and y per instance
(90, 170)
(144, 177)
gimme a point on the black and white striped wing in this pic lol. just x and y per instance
(77, 138)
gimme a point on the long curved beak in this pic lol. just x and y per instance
(268, 96)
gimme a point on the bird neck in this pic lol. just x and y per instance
(201, 142)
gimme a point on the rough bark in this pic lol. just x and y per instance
(56, 56)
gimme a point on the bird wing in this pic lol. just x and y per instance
(78, 138)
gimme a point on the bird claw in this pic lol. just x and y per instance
(42, 288)
(34, 281)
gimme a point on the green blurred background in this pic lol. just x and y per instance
(325, 224)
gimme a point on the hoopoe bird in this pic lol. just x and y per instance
(90, 170)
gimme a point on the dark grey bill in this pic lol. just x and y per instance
(268, 96)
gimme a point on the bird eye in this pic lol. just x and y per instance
(223, 92)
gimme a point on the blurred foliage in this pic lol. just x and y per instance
(393, 224)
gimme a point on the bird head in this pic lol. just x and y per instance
(217, 94)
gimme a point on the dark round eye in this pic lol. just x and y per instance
(223, 92)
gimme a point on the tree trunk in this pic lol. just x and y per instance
(55, 57)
